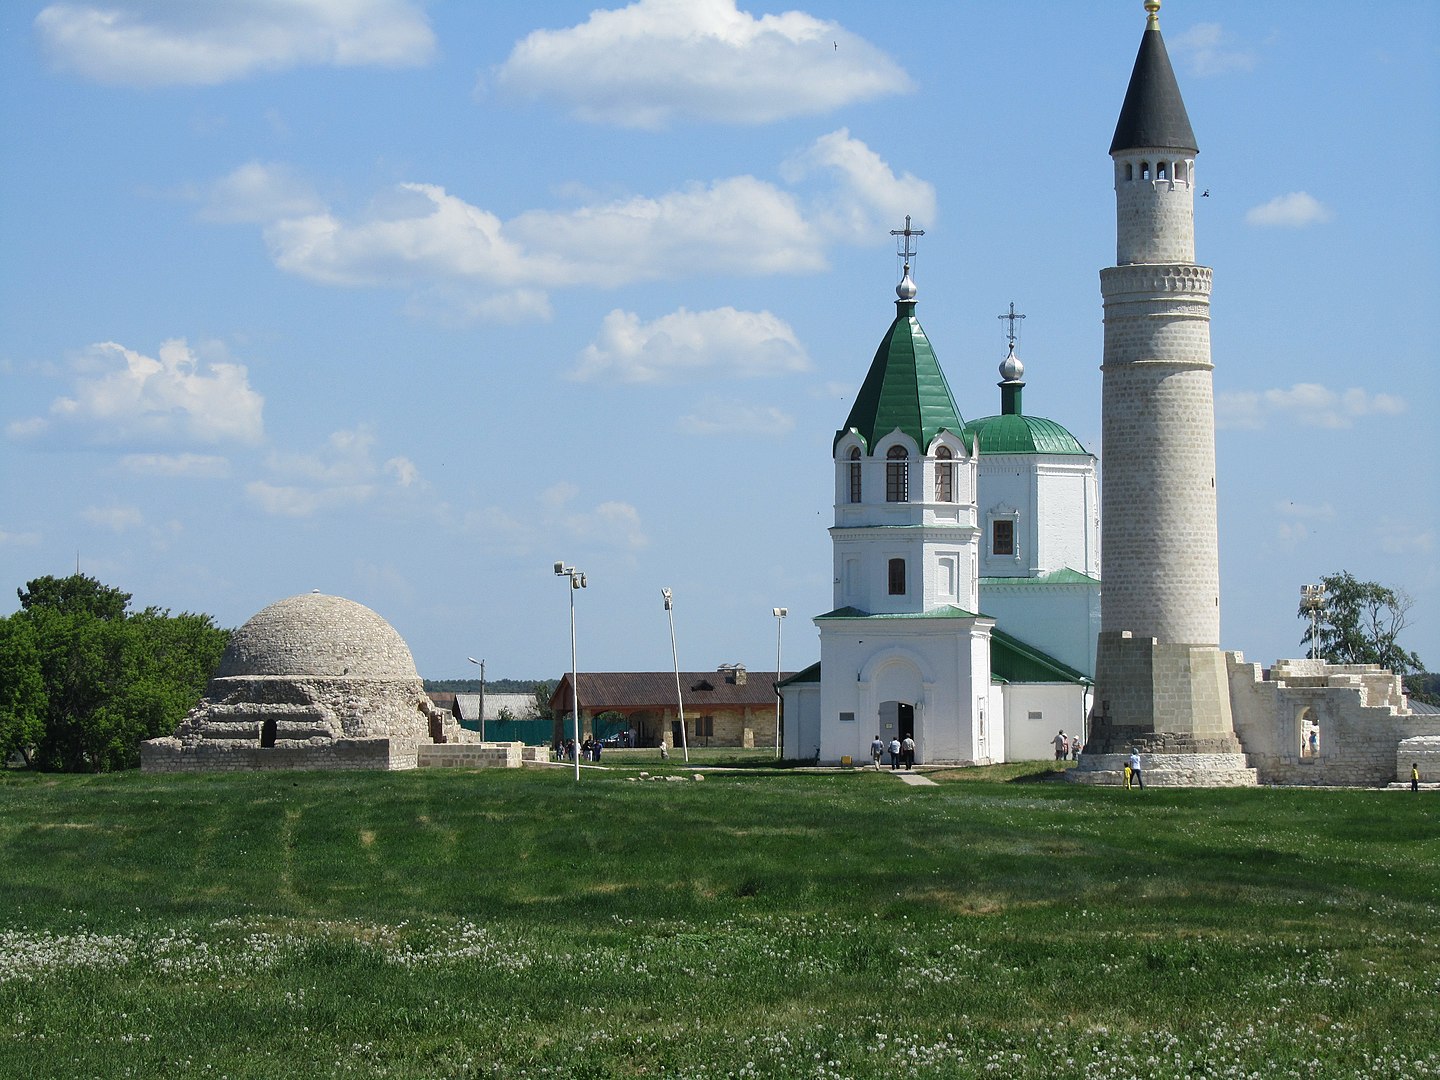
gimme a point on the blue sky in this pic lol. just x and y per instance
(405, 301)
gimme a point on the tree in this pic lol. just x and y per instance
(1360, 623)
(82, 682)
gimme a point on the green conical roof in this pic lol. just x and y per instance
(904, 388)
(1153, 114)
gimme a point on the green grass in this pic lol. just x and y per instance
(763, 922)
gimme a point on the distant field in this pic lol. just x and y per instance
(758, 923)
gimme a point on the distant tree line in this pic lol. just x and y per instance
(492, 686)
(83, 680)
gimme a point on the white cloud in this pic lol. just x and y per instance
(871, 197)
(116, 518)
(611, 523)
(1210, 50)
(464, 261)
(122, 396)
(18, 539)
(718, 417)
(194, 466)
(1307, 404)
(657, 62)
(259, 192)
(1404, 537)
(686, 343)
(1293, 211)
(288, 500)
(341, 473)
(162, 43)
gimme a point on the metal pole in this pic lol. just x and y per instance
(577, 581)
(779, 614)
(675, 655)
(481, 665)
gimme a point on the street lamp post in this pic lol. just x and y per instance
(1312, 599)
(577, 582)
(482, 694)
(779, 614)
(675, 655)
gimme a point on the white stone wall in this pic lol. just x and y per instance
(1155, 218)
(1060, 706)
(940, 666)
(1054, 499)
(1361, 714)
(1159, 528)
(1062, 621)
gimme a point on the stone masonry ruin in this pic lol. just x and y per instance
(312, 682)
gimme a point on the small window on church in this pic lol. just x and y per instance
(1180, 171)
(944, 475)
(1161, 171)
(855, 490)
(1002, 537)
(897, 577)
(1144, 170)
(1129, 170)
(897, 475)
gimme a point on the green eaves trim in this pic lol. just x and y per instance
(1063, 576)
(810, 674)
(949, 611)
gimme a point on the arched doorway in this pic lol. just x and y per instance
(897, 721)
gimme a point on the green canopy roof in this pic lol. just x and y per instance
(1014, 433)
(904, 389)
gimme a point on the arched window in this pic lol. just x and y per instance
(855, 489)
(897, 475)
(944, 475)
(1181, 171)
(1162, 171)
(1129, 170)
(1144, 170)
(897, 577)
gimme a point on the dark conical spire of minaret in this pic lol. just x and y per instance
(1153, 113)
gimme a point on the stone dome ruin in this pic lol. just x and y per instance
(310, 682)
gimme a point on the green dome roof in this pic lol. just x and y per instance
(1013, 433)
(904, 388)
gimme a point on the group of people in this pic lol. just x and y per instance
(589, 750)
(1067, 746)
(902, 752)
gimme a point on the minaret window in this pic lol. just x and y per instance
(897, 577)
(855, 489)
(944, 475)
(897, 475)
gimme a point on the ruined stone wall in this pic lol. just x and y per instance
(1359, 710)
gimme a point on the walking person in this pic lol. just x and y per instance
(894, 754)
(1062, 744)
(877, 751)
(1415, 776)
(1134, 763)
(908, 746)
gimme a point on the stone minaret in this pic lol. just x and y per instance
(1160, 676)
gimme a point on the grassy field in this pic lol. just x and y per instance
(758, 923)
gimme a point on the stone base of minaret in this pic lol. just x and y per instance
(1172, 704)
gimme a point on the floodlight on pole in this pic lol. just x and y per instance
(577, 582)
(779, 614)
(482, 694)
(675, 655)
(1312, 599)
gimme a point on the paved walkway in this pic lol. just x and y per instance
(916, 779)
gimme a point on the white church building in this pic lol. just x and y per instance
(966, 571)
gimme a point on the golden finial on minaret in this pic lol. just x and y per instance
(1153, 8)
